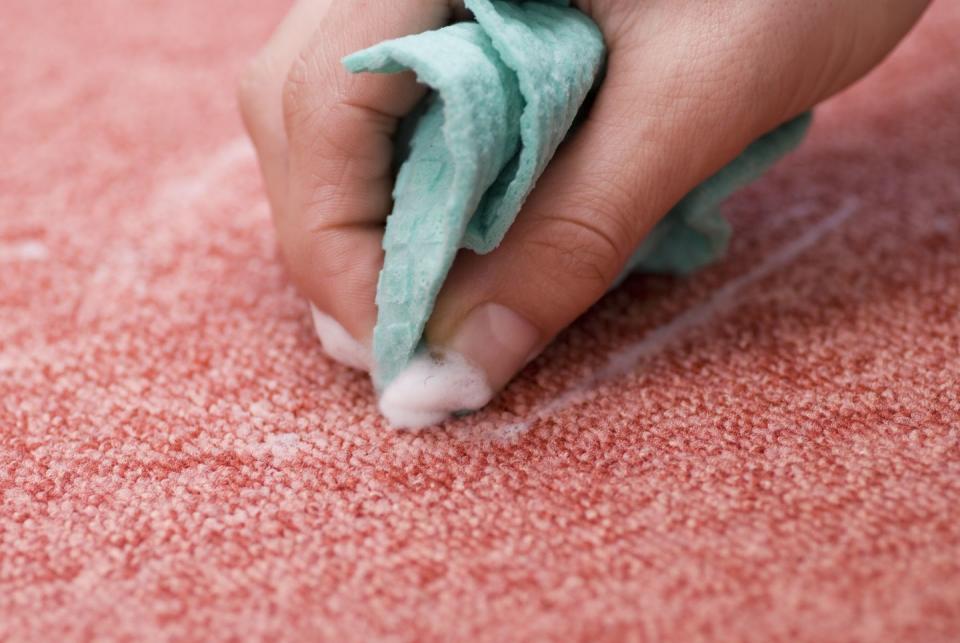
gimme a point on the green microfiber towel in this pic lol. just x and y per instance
(506, 89)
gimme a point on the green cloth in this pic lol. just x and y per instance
(506, 89)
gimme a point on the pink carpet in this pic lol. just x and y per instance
(767, 451)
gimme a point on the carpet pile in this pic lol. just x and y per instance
(768, 450)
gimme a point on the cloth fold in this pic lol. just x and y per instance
(506, 90)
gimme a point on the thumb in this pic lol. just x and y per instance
(606, 188)
(687, 90)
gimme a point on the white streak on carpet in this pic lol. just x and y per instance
(657, 340)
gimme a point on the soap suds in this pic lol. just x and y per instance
(338, 343)
(432, 387)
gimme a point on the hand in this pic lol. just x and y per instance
(689, 84)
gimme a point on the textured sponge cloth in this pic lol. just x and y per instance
(507, 88)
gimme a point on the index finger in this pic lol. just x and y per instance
(339, 130)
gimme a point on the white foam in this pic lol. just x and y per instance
(433, 386)
(338, 343)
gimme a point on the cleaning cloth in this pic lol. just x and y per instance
(506, 90)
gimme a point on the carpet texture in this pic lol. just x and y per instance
(769, 450)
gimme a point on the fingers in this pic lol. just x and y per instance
(339, 180)
(260, 88)
(663, 123)
(687, 88)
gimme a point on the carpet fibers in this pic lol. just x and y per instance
(769, 450)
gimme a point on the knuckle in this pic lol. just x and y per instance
(609, 209)
(308, 89)
(579, 249)
(294, 89)
(320, 254)
(592, 238)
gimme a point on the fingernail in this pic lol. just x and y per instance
(498, 340)
(338, 343)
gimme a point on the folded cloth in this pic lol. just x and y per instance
(506, 89)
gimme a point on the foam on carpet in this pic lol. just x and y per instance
(767, 450)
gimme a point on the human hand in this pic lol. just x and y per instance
(689, 84)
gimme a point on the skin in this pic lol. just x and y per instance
(689, 84)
